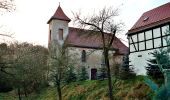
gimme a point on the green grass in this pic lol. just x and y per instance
(8, 96)
(91, 90)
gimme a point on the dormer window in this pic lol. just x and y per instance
(145, 18)
(60, 34)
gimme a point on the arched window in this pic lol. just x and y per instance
(83, 56)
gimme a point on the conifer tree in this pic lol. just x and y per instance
(163, 62)
(162, 56)
(83, 74)
(153, 69)
(103, 74)
(126, 71)
(70, 75)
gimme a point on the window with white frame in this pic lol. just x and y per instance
(166, 40)
(141, 36)
(149, 44)
(156, 32)
(165, 30)
(134, 38)
(130, 39)
(157, 42)
(141, 45)
(133, 47)
(148, 34)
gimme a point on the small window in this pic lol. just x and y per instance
(50, 36)
(83, 56)
(60, 34)
(130, 39)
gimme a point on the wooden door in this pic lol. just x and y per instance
(93, 74)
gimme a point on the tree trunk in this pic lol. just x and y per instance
(25, 90)
(19, 94)
(59, 91)
(167, 78)
(106, 54)
(57, 79)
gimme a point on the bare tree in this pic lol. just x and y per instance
(102, 23)
(60, 62)
(7, 5)
(58, 65)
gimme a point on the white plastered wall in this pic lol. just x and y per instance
(138, 60)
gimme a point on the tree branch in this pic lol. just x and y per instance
(7, 5)
(5, 35)
(111, 41)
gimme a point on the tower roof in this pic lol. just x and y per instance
(60, 15)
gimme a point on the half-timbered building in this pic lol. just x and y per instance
(149, 33)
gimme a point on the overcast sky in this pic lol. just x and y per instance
(29, 21)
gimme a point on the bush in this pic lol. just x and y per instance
(5, 83)
(162, 94)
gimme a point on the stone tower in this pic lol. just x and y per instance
(58, 27)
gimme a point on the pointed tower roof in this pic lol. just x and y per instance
(60, 15)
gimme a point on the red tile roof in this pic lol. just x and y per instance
(60, 15)
(81, 38)
(152, 18)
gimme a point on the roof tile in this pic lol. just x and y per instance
(80, 38)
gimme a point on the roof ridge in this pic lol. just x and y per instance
(157, 7)
(88, 30)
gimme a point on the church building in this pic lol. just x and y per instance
(149, 33)
(88, 49)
